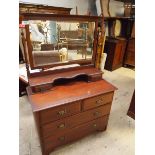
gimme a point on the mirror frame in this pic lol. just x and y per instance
(60, 17)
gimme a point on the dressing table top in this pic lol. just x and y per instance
(60, 95)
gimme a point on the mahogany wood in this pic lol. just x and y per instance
(68, 93)
(47, 71)
(81, 131)
(68, 101)
(46, 82)
(29, 46)
(64, 111)
(59, 112)
(51, 77)
(64, 124)
(115, 49)
(97, 101)
(60, 17)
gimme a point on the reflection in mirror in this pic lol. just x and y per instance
(57, 41)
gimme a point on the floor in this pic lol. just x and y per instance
(118, 139)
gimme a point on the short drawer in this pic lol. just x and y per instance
(66, 123)
(97, 101)
(59, 112)
(76, 133)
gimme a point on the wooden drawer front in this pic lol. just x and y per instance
(97, 101)
(54, 128)
(65, 124)
(76, 133)
(56, 113)
(83, 130)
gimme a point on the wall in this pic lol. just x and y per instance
(116, 8)
(98, 6)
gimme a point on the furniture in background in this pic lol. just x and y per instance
(118, 41)
(74, 39)
(125, 27)
(78, 46)
(129, 58)
(39, 8)
(129, 8)
(131, 110)
(48, 47)
(115, 49)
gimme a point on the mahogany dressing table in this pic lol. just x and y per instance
(69, 99)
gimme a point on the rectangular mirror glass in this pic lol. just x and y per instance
(60, 41)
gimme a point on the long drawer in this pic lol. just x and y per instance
(76, 133)
(65, 124)
(96, 101)
(59, 112)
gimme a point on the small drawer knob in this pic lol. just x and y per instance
(99, 101)
(61, 126)
(62, 112)
(96, 113)
(94, 125)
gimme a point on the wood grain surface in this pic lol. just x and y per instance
(60, 95)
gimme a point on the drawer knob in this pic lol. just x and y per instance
(95, 125)
(61, 126)
(61, 113)
(99, 101)
(96, 113)
(62, 138)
